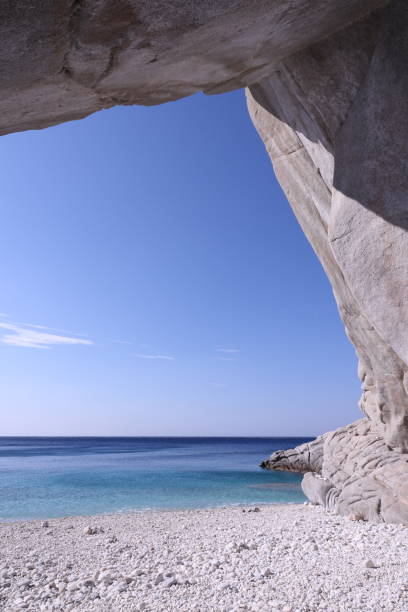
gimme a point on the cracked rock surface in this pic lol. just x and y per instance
(351, 471)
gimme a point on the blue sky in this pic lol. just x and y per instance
(174, 290)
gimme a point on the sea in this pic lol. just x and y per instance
(55, 477)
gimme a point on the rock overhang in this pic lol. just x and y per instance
(64, 60)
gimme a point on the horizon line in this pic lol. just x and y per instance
(158, 436)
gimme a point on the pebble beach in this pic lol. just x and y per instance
(292, 558)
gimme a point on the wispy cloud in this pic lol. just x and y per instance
(45, 327)
(59, 331)
(227, 354)
(28, 336)
(147, 356)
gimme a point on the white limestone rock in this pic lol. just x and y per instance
(333, 122)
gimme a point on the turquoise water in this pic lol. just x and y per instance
(51, 477)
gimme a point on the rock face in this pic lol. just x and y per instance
(334, 122)
(62, 59)
(328, 94)
(351, 471)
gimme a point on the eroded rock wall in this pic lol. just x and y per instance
(334, 122)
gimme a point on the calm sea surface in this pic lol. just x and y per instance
(51, 477)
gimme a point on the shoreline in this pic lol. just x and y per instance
(282, 558)
(136, 511)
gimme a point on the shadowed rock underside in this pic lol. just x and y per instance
(62, 60)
